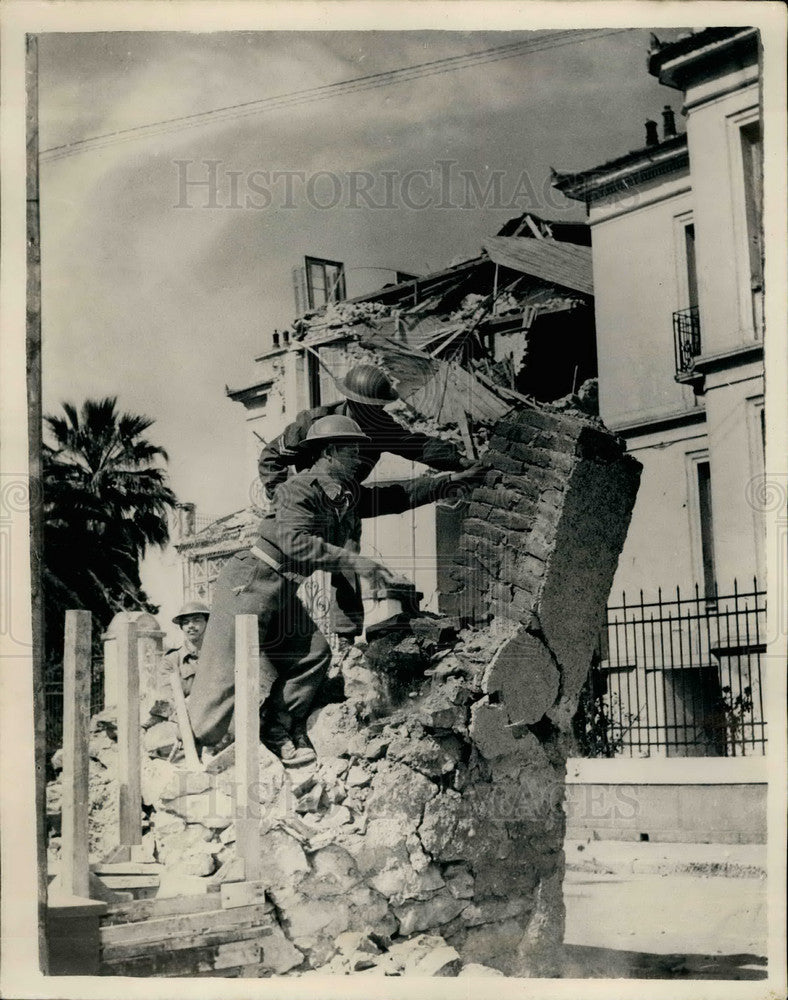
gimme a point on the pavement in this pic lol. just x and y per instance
(645, 858)
(654, 911)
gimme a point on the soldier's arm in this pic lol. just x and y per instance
(281, 453)
(437, 454)
(396, 497)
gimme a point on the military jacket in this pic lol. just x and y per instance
(386, 435)
(314, 516)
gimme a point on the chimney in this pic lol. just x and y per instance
(285, 337)
(651, 133)
(668, 122)
(276, 339)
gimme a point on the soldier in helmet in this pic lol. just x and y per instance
(314, 514)
(192, 620)
(367, 390)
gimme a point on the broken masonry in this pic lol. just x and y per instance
(435, 811)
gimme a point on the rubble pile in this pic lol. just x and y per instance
(427, 839)
(102, 779)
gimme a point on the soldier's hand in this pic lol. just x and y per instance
(472, 476)
(379, 576)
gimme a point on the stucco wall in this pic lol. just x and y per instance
(637, 290)
(662, 548)
(718, 197)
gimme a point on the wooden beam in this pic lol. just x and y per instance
(74, 865)
(35, 474)
(247, 743)
(184, 723)
(129, 764)
(171, 930)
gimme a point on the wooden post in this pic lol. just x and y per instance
(247, 743)
(34, 417)
(74, 871)
(129, 765)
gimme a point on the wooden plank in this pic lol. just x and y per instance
(130, 881)
(150, 909)
(168, 929)
(188, 962)
(184, 723)
(230, 935)
(234, 894)
(129, 763)
(127, 868)
(247, 741)
(75, 870)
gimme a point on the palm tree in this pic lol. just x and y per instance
(106, 501)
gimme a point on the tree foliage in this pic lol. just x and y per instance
(106, 501)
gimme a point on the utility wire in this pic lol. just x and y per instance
(324, 92)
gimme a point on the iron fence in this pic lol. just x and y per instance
(678, 677)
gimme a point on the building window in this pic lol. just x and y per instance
(703, 471)
(752, 163)
(691, 265)
(313, 379)
(325, 281)
(686, 319)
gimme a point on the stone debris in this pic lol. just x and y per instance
(427, 838)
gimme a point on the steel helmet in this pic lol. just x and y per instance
(192, 608)
(368, 385)
(334, 428)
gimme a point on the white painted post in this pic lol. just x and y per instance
(74, 871)
(247, 743)
(129, 763)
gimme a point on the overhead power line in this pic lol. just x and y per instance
(312, 95)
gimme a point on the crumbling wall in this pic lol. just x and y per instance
(428, 839)
(540, 547)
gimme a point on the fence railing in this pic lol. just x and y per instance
(678, 677)
(686, 338)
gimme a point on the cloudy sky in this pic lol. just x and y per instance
(161, 293)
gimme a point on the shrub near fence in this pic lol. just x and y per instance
(678, 677)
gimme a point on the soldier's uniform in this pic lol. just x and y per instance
(313, 518)
(287, 450)
(183, 659)
(367, 391)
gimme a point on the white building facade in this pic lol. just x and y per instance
(676, 249)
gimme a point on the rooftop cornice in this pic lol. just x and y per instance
(625, 172)
(678, 63)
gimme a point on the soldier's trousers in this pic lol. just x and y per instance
(290, 640)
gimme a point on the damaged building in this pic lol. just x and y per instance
(463, 346)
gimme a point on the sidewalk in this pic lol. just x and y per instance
(662, 911)
(629, 857)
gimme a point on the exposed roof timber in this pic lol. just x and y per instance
(563, 264)
(677, 63)
(625, 172)
(423, 285)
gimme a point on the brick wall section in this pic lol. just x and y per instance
(542, 539)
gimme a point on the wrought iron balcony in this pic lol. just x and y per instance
(686, 338)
